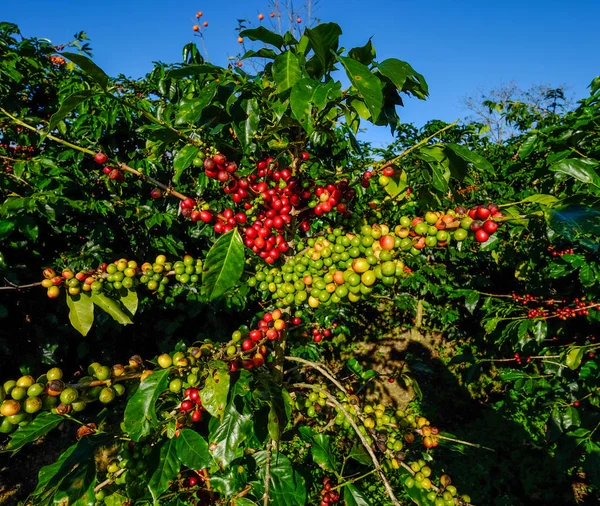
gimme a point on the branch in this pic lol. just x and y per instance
(322, 369)
(362, 438)
(121, 166)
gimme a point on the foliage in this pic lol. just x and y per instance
(330, 240)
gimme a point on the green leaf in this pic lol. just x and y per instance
(324, 40)
(404, 77)
(246, 130)
(364, 54)
(574, 356)
(52, 476)
(264, 35)
(398, 183)
(302, 101)
(227, 439)
(81, 312)
(230, 481)
(166, 470)
(285, 485)
(140, 412)
(586, 275)
(192, 450)
(286, 71)
(130, 300)
(527, 146)
(193, 70)
(479, 162)
(216, 388)
(68, 105)
(471, 300)
(582, 169)
(224, 264)
(190, 109)
(369, 86)
(6, 228)
(40, 426)
(77, 487)
(540, 331)
(540, 198)
(263, 52)
(360, 454)
(89, 67)
(183, 159)
(322, 455)
(353, 496)
(112, 307)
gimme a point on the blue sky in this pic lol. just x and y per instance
(459, 46)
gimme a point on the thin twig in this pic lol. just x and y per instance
(334, 401)
(322, 369)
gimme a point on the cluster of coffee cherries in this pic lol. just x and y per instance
(75, 283)
(127, 468)
(22, 398)
(519, 359)
(332, 197)
(57, 60)
(560, 252)
(15, 150)
(483, 220)
(328, 496)
(318, 334)
(113, 173)
(249, 344)
(344, 265)
(314, 402)
(559, 308)
(446, 493)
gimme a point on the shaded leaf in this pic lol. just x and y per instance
(68, 104)
(229, 436)
(285, 486)
(89, 67)
(140, 412)
(582, 169)
(353, 496)
(192, 450)
(43, 423)
(112, 307)
(166, 470)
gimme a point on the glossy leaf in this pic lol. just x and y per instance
(224, 264)
(67, 106)
(6, 227)
(190, 109)
(165, 471)
(397, 184)
(353, 496)
(286, 71)
(192, 450)
(130, 300)
(478, 161)
(43, 423)
(286, 486)
(324, 41)
(89, 67)
(264, 35)
(582, 169)
(183, 159)
(367, 84)
(365, 54)
(229, 436)
(81, 311)
(404, 77)
(246, 130)
(140, 412)
(216, 388)
(111, 307)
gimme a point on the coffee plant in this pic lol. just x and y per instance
(229, 232)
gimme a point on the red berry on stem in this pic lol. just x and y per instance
(100, 158)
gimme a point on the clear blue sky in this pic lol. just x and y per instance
(459, 46)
